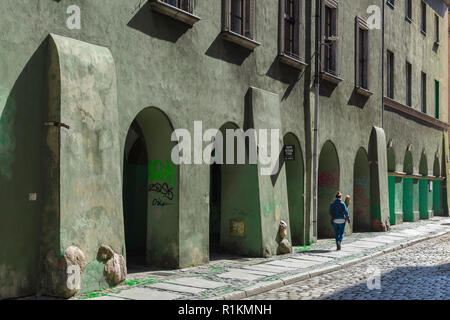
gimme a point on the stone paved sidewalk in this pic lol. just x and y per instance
(238, 278)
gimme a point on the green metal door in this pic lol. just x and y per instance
(391, 186)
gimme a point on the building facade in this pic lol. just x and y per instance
(92, 91)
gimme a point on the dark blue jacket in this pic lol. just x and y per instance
(338, 210)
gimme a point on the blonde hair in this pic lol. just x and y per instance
(347, 200)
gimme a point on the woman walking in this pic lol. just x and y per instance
(339, 215)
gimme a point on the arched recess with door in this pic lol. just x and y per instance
(361, 192)
(392, 185)
(328, 186)
(151, 192)
(408, 189)
(235, 220)
(423, 187)
(437, 204)
(295, 187)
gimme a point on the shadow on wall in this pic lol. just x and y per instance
(357, 100)
(21, 129)
(157, 25)
(227, 51)
(399, 279)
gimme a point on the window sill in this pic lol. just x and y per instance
(363, 92)
(239, 40)
(291, 61)
(423, 33)
(408, 19)
(334, 79)
(390, 5)
(174, 12)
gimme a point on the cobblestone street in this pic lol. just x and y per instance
(419, 272)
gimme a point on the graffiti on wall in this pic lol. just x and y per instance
(361, 199)
(162, 177)
(329, 179)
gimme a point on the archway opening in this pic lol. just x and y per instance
(328, 185)
(361, 193)
(423, 188)
(135, 196)
(235, 219)
(408, 188)
(150, 194)
(437, 190)
(215, 207)
(295, 188)
(392, 181)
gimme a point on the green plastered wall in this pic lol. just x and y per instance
(409, 44)
(22, 100)
(296, 193)
(437, 205)
(408, 199)
(240, 204)
(189, 74)
(399, 200)
(341, 108)
(391, 182)
(264, 113)
(83, 207)
(361, 192)
(423, 199)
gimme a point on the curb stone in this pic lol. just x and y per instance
(257, 289)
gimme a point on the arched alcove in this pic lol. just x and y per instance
(295, 188)
(151, 192)
(437, 188)
(328, 185)
(238, 208)
(423, 187)
(408, 188)
(361, 192)
(392, 182)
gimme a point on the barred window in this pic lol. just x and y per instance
(290, 29)
(240, 17)
(186, 5)
(362, 54)
(330, 30)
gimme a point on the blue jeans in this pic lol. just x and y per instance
(339, 230)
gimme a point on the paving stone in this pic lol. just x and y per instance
(396, 234)
(300, 264)
(332, 254)
(239, 275)
(146, 294)
(253, 271)
(393, 239)
(365, 244)
(176, 288)
(381, 239)
(266, 267)
(345, 247)
(312, 258)
(107, 298)
(412, 273)
(197, 283)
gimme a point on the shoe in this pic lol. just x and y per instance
(338, 246)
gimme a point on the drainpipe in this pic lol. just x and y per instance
(382, 66)
(316, 117)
